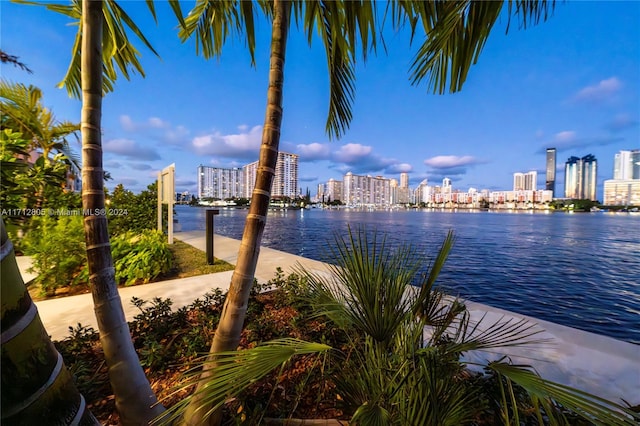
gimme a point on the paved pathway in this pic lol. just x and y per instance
(58, 314)
(598, 364)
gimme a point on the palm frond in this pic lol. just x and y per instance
(211, 23)
(341, 26)
(234, 371)
(6, 58)
(456, 33)
(597, 410)
(118, 53)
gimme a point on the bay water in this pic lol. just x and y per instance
(580, 270)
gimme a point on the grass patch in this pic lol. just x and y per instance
(188, 261)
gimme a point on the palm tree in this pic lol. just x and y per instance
(22, 111)
(97, 57)
(456, 33)
(135, 401)
(340, 25)
(24, 114)
(34, 378)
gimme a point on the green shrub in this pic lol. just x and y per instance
(140, 257)
(58, 249)
(136, 212)
(59, 254)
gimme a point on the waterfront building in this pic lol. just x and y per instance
(446, 185)
(393, 183)
(320, 193)
(249, 172)
(626, 165)
(621, 192)
(404, 180)
(423, 192)
(333, 190)
(285, 181)
(525, 181)
(550, 183)
(219, 183)
(580, 177)
(366, 190)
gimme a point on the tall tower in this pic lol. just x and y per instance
(518, 181)
(589, 177)
(572, 178)
(550, 184)
(626, 165)
(404, 180)
(581, 177)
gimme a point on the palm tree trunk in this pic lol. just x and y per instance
(135, 401)
(229, 329)
(34, 378)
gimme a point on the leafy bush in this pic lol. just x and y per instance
(58, 249)
(140, 257)
(59, 254)
(139, 212)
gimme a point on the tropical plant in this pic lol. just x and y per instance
(96, 57)
(23, 111)
(140, 257)
(456, 33)
(134, 212)
(410, 338)
(55, 267)
(32, 181)
(341, 26)
(34, 377)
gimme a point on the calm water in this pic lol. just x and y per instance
(580, 270)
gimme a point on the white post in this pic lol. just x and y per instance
(167, 194)
(160, 190)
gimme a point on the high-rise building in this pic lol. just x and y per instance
(219, 183)
(422, 192)
(285, 181)
(550, 183)
(404, 180)
(525, 181)
(626, 165)
(581, 177)
(334, 190)
(366, 190)
(446, 185)
(403, 194)
(249, 172)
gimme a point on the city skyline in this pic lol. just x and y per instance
(558, 84)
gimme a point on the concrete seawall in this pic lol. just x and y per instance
(597, 364)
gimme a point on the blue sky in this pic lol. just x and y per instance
(572, 83)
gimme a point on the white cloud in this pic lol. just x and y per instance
(400, 168)
(601, 91)
(351, 152)
(130, 149)
(313, 151)
(565, 136)
(450, 161)
(127, 123)
(244, 144)
(157, 123)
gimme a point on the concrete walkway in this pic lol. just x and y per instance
(597, 364)
(59, 314)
